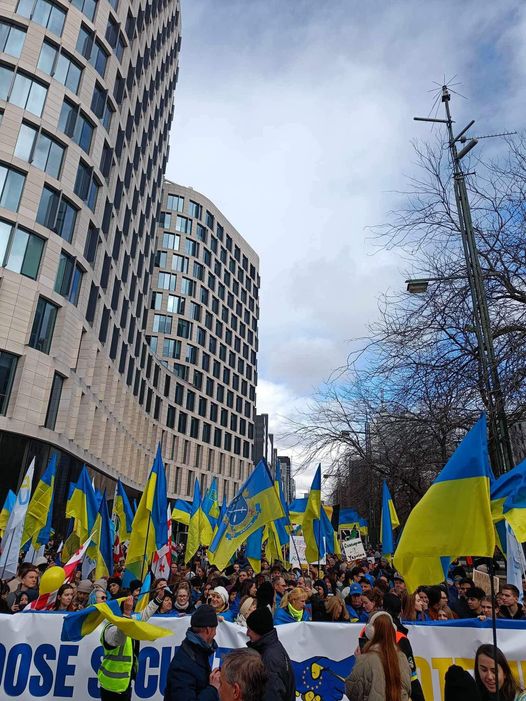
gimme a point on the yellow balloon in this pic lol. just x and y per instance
(52, 579)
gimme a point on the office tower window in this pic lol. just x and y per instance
(167, 281)
(194, 209)
(54, 401)
(179, 263)
(57, 64)
(87, 7)
(69, 278)
(86, 185)
(165, 220)
(11, 39)
(175, 203)
(162, 323)
(74, 123)
(171, 348)
(43, 325)
(175, 304)
(183, 225)
(20, 250)
(43, 12)
(11, 186)
(8, 363)
(56, 213)
(40, 149)
(92, 50)
(171, 241)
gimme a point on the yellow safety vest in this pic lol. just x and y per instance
(117, 664)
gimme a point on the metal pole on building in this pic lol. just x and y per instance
(482, 324)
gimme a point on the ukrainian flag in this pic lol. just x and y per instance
(6, 510)
(122, 513)
(150, 529)
(40, 505)
(349, 520)
(330, 542)
(297, 510)
(102, 549)
(453, 518)
(281, 527)
(253, 549)
(311, 521)
(181, 511)
(80, 623)
(389, 522)
(210, 514)
(144, 594)
(193, 540)
(83, 506)
(514, 510)
(255, 505)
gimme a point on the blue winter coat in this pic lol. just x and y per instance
(282, 615)
(189, 672)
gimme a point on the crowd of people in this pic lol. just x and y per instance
(368, 591)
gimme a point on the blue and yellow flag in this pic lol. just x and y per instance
(181, 511)
(389, 522)
(253, 549)
(144, 594)
(453, 518)
(6, 510)
(80, 623)
(297, 510)
(514, 510)
(255, 505)
(122, 513)
(83, 506)
(193, 540)
(40, 505)
(349, 519)
(210, 513)
(102, 549)
(311, 521)
(281, 527)
(150, 529)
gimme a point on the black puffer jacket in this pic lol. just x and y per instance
(281, 684)
(189, 672)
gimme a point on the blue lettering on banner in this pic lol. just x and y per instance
(17, 669)
(65, 670)
(146, 684)
(93, 682)
(42, 685)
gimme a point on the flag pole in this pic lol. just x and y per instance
(145, 546)
(12, 535)
(494, 622)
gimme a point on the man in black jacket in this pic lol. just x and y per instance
(281, 684)
(190, 677)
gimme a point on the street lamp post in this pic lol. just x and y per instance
(482, 325)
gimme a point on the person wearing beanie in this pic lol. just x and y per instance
(84, 589)
(460, 685)
(190, 676)
(266, 595)
(281, 683)
(114, 587)
(219, 600)
(248, 604)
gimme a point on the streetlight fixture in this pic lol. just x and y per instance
(417, 286)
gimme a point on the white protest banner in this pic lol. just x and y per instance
(34, 663)
(353, 549)
(297, 556)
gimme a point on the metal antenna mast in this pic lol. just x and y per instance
(488, 363)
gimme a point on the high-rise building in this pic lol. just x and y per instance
(289, 484)
(203, 326)
(86, 104)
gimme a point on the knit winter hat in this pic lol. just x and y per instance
(246, 606)
(204, 617)
(260, 621)
(222, 593)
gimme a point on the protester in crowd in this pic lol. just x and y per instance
(17, 601)
(114, 587)
(119, 662)
(243, 677)
(265, 596)
(509, 606)
(486, 608)
(292, 608)
(487, 678)
(460, 685)
(474, 597)
(335, 610)
(317, 600)
(393, 606)
(281, 684)
(460, 606)
(190, 676)
(353, 601)
(399, 584)
(27, 579)
(219, 600)
(412, 607)
(167, 605)
(183, 604)
(248, 604)
(97, 596)
(280, 587)
(84, 589)
(372, 601)
(381, 671)
(65, 596)
(434, 596)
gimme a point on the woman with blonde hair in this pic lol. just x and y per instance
(292, 607)
(381, 672)
(336, 610)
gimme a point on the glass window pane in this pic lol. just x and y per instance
(8, 363)
(54, 401)
(6, 78)
(66, 219)
(33, 256)
(25, 8)
(12, 191)
(54, 163)
(47, 58)
(41, 12)
(20, 91)
(43, 326)
(15, 42)
(56, 21)
(47, 209)
(5, 233)
(73, 79)
(41, 151)
(37, 97)
(24, 144)
(61, 69)
(17, 251)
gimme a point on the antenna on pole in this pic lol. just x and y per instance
(482, 324)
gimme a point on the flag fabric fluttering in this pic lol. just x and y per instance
(6, 510)
(149, 532)
(436, 532)
(389, 522)
(122, 513)
(508, 501)
(255, 504)
(102, 551)
(83, 505)
(209, 513)
(144, 594)
(193, 540)
(181, 511)
(253, 549)
(40, 506)
(12, 540)
(162, 558)
(311, 521)
(80, 623)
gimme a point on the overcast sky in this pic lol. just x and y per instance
(295, 118)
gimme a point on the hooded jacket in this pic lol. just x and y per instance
(281, 684)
